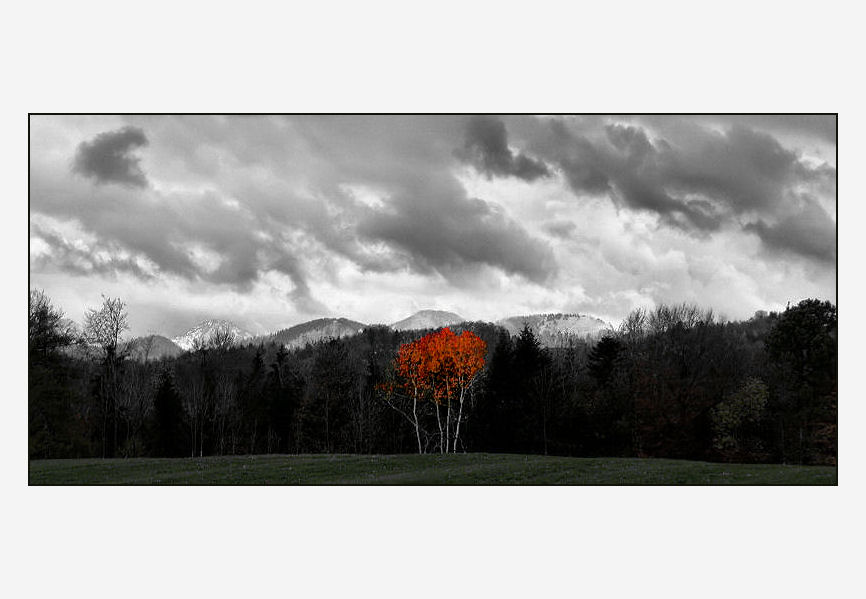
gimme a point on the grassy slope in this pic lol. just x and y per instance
(466, 469)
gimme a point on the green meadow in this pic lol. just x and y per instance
(458, 469)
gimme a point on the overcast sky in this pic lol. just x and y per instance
(271, 221)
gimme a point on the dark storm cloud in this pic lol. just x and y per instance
(584, 165)
(699, 180)
(486, 148)
(818, 126)
(443, 230)
(426, 218)
(807, 232)
(625, 165)
(109, 157)
(745, 169)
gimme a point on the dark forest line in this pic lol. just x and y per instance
(672, 382)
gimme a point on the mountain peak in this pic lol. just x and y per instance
(554, 329)
(427, 319)
(204, 331)
(316, 330)
(152, 347)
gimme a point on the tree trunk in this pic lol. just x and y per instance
(327, 428)
(439, 422)
(415, 417)
(104, 416)
(253, 437)
(448, 426)
(114, 409)
(544, 424)
(459, 418)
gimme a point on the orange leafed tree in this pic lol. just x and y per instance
(412, 372)
(440, 367)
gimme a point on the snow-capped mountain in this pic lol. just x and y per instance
(554, 330)
(315, 330)
(204, 331)
(427, 319)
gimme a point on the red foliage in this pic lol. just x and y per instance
(442, 364)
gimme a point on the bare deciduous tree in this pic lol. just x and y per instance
(46, 330)
(105, 328)
(221, 339)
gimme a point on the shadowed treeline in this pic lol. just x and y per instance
(671, 382)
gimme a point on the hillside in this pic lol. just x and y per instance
(427, 319)
(315, 330)
(152, 347)
(204, 331)
(555, 330)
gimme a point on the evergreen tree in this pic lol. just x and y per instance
(493, 417)
(168, 438)
(530, 359)
(254, 405)
(282, 391)
(602, 359)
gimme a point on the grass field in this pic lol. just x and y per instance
(461, 469)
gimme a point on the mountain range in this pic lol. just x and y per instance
(552, 330)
